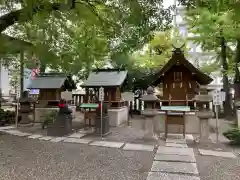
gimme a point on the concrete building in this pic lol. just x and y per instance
(4, 80)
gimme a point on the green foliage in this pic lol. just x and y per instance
(233, 135)
(49, 118)
(208, 68)
(7, 117)
(75, 40)
(143, 65)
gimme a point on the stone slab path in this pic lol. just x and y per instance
(217, 153)
(174, 161)
(79, 138)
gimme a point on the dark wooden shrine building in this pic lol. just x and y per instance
(180, 80)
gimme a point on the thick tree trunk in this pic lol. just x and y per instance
(237, 74)
(236, 77)
(227, 103)
(25, 14)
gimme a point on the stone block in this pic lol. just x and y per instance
(175, 167)
(78, 141)
(107, 144)
(176, 145)
(138, 147)
(35, 136)
(174, 158)
(175, 151)
(178, 141)
(216, 153)
(169, 176)
(58, 139)
(77, 135)
(46, 138)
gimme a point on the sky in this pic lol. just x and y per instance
(167, 3)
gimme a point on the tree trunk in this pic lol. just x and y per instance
(227, 103)
(237, 74)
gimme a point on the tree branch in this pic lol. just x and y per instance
(27, 13)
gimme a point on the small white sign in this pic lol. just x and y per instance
(18, 93)
(127, 96)
(218, 97)
(223, 95)
(101, 94)
(67, 95)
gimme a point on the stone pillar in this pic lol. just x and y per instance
(149, 112)
(204, 114)
(204, 130)
(237, 105)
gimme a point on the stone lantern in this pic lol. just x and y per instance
(149, 112)
(204, 114)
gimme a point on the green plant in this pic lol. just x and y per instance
(233, 135)
(49, 118)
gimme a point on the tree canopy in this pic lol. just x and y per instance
(75, 36)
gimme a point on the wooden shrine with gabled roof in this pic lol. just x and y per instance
(180, 80)
(50, 86)
(111, 80)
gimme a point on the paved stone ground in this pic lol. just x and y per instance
(31, 159)
(174, 163)
(218, 168)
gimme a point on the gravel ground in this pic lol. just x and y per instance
(25, 159)
(128, 135)
(217, 168)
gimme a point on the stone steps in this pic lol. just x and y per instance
(174, 161)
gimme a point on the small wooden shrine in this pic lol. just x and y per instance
(50, 86)
(111, 80)
(180, 80)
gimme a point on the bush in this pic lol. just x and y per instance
(233, 135)
(6, 117)
(49, 118)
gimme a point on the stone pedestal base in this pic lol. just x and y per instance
(148, 127)
(204, 130)
(25, 118)
(118, 116)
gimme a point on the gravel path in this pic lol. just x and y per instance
(25, 159)
(217, 168)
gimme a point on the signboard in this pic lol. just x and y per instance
(101, 94)
(18, 93)
(127, 96)
(34, 91)
(67, 95)
(217, 97)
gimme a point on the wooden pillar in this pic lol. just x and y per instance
(86, 98)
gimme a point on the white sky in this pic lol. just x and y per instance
(167, 3)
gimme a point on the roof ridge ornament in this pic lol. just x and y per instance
(178, 50)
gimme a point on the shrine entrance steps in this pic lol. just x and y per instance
(174, 161)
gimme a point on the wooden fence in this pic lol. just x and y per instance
(135, 106)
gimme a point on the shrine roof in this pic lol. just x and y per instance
(105, 78)
(178, 58)
(48, 81)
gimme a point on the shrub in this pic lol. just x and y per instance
(49, 118)
(233, 135)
